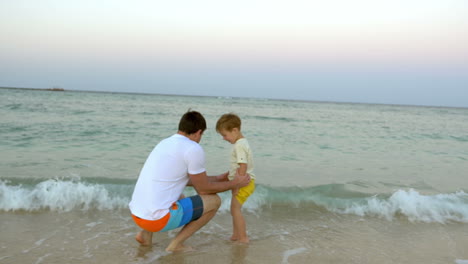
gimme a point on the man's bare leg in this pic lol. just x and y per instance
(145, 238)
(211, 205)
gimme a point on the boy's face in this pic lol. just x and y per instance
(230, 136)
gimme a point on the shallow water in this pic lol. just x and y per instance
(288, 236)
(337, 183)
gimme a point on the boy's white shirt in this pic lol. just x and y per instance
(241, 153)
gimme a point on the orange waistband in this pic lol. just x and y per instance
(152, 225)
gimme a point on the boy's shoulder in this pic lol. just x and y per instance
(242, 142)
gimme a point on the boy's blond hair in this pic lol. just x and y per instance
(228, 122)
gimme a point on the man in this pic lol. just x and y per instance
(158, 203)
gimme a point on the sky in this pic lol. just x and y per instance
(371, 51)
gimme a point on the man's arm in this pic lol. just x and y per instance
(217, 178)
(221, 177)
(210, 185)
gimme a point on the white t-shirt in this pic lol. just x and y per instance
(241, 153)
(165, 175)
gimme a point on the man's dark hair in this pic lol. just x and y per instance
(191, 122)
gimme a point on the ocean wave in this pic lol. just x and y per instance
(440, 208)
(58, 195)
(107, 194)
(284, 119)
(410, 204)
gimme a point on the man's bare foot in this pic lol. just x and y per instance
(145, 238)
(233, 238)
(181, 248)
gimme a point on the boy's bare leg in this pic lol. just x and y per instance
(238, 222)
(211, 205)
(145, 238)
(234, 236)
(234, 207)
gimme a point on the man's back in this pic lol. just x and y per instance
(164, 176)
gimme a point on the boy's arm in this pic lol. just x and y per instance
(242, 168)
(242, 154)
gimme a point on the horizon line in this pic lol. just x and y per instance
(60, 89)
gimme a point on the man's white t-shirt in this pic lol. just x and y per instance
(165, 175)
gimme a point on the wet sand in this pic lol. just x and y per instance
(289, 236)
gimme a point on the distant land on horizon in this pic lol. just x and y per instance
(37, 89)
(59, 89)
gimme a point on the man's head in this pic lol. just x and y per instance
(192, 123)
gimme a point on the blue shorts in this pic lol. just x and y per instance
(184, 211)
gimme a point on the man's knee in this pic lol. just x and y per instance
(217, 200)
(211, 202)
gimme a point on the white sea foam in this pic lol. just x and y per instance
(291, 252)
(58, 195)
(253, 204)
(416, 207)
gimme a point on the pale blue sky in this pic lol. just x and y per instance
(373, 51)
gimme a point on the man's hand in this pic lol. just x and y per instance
(222, 177)
(241, 180)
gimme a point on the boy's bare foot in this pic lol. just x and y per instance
(181, 248)
(145, 238)
(243, 240)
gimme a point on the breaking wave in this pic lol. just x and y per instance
(97, 194)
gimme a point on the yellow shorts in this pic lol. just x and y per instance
(245, 192)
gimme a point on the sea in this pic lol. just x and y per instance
(336, 182)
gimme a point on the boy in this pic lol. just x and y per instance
(229, 126)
